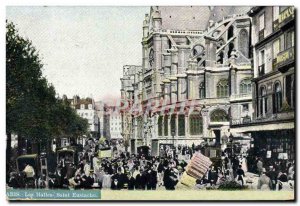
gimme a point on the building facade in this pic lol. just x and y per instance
(131, 93)
(195, 76)
(115, 122)
(86, 109)
(272, 125)
(104, 124)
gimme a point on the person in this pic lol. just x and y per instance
(77, 182)
(131, 182)
(53, 182)
(244, 164)
(135, 172)
(86, 168)
(226, 162)
(259, 166)
(137, 177)
(151, 179)
(173, 179)
(212, 176)
(65, 182)
(42, 182)
(118, 180)
(264, 182)
(95, 161)
(63, 167)
(143, 180)
(90, 180)
(240, 174)
(130, 165)
(170, 178)
(291, 172)
(98, 171)
(106, 180)
(235, 165)
(13, 182)
(273, 177)
(282, 180)
(160, 171)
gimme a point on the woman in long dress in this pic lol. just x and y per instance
(244, 164)
(106, 181)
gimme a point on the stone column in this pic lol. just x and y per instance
(169, 125)
(157, 61)
(174, 62)
(205, 118)
(233, 82)
(187, 126)
(174, 91)
(176, 125)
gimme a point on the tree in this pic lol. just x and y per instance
(32, 109)
(23, 72)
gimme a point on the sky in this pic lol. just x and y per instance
(83, 49)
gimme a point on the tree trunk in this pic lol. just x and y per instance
(29, 146)
(8, 147)
(20, 145)
(38, 147)
(49, 146)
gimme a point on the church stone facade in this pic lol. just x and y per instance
(195, 77)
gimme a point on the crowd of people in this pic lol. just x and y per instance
(145, 172)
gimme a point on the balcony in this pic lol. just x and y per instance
(261, 35)
(286, 16)
(261, 70)
(284, 59)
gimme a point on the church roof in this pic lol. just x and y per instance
(184, 17)
(218, 12)
(194, 17)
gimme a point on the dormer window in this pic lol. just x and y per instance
(90, 106)
(82, 106)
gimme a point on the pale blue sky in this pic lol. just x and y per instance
(83, 48)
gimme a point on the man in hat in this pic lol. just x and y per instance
(272, 174)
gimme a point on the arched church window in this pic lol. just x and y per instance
(196, 123)
(219, 115)
(245, 86)
(223, 88)
(181, 125)
(173, 123)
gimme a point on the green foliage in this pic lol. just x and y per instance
(32, 108)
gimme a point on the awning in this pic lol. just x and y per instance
(266, 127)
